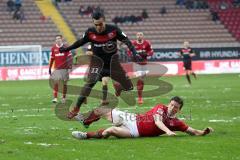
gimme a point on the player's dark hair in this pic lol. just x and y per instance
(59, 35)
(97, 14)
(178, 100)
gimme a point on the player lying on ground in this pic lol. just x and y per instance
(159, 120)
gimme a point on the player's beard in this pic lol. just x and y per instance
(100, 30)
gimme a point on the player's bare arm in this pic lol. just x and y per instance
(192, 54)
(196, 132)
(179, 54)
(159, 123)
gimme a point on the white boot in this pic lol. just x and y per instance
(79, 135)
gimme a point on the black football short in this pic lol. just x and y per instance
(187, 65)
(114, 70)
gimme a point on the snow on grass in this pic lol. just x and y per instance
(220, 120)
(47, 144)
(28, 143)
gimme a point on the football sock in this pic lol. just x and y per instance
(188, 78)
(80, 100)
(91, 118)
(194, 75)
(97, 134)
(140, 85)
(64, 90)
(84, 93)
(55, 91)
(104, 91)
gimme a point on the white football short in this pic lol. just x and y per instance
(125, 119)
(141, 70)
(60, 74)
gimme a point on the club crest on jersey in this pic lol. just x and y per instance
(110, 35)
(171, 123)
(94, 37)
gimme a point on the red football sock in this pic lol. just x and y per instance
(140, 85)
(64, 90)
(55, 91)
(91, 118)
(97, 134)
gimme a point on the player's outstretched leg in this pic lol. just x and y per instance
(188, 77)
(119, 132)
(87, 135)
(94, 115)
(118, 88)
(194, 75)
(118, 74)
(84, 93)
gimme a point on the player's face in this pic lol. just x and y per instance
(139, 36)
(59, 40)
(173, 108)
(186, 44)
(99, 24)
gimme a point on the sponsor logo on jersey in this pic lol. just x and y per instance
(59, 54)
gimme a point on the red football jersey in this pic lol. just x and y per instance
(62, 60)
(146, 125)
(144, 49)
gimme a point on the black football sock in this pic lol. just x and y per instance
(84, 93)
(104, 91)
(194, 75)
(80, 101)
(188, 78)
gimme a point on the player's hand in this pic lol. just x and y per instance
(192, 55)
(62, 49)
(137, 58)
(144, 54)
(50, 71)
(170, 133)
(207, 130)
(69, 70)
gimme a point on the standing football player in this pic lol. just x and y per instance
(62, 64)
(103, 38)
(187, 53)
(144, 49)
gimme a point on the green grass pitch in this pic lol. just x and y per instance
(30, 130)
